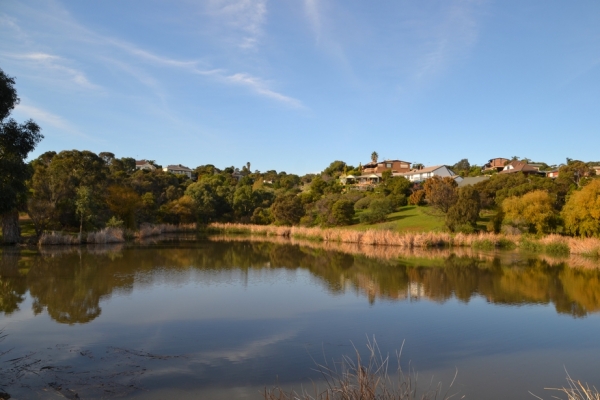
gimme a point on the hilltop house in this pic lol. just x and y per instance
(143, 164)
(418, 175)
(178, 170)
(496, 163)
(386, 165)
(521, 166)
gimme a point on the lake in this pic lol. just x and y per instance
(226, 317)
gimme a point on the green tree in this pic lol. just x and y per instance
(377, 212)
(287, 210)
(465, 211)
(83, 205)
(342, 212)
(16, 142)
(581, 214)
(374, 156)
(124, 202)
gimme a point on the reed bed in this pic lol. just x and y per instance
(147, 230)
(552, 244)
(368, 379)
(106, 235)
(58, 238)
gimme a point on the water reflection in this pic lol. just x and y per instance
(70, 283)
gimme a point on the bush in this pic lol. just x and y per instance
(363, 203)
(398, 200)
(377, 212)
(342, 212)
(417, 198)
(465, 211)
(115, 222)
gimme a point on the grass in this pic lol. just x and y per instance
(358, 379)
(409, 219)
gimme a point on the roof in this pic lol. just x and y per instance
(142, 162)
(518, 166)
(422, 170)
(472, 180)
(178, 167)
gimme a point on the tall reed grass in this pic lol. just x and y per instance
(552, 244)
(106, 235)
(358, 379)
(147, 230)
(58, 238)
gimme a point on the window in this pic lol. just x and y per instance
(388, 165)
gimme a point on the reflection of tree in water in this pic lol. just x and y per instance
(13, 283)
(71, 284)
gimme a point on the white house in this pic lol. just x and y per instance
(418, 175)
(178, 170)
(144, 164)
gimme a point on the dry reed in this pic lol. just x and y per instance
(576, 391)
(106, 235)
(147, 230)
(589, 247)
(58, 238)
(353, 379)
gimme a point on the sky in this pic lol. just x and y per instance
(294, 85)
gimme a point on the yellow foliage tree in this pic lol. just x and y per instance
(123, 202)
(581, 214)
(535, 209)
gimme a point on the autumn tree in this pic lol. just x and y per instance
(581, 214)
(535, 210)
(440, 192)
(16, 142)
(123, 202)
(417, 198)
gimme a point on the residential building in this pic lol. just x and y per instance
(471, 180)
(552, 174)
(144, 164)
(496, 163)
(386, 165)
(521, 166)
(419, 175)
(178, 170)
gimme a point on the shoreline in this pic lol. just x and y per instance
(551, 244)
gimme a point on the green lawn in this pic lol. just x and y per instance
(409, 219)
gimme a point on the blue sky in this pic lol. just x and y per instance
(293, 85)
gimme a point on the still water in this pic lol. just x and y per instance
(222, 319)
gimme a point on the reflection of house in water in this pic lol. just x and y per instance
(415, 291)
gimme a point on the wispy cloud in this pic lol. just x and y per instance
(448, 37)
(245, 16)
(58, 64)
(46, 118)
(260, 87)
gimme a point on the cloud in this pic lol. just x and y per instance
(56, 63)
(46, 118)
(258, 86)
(448, 37)
(245, 16)
(314, 16)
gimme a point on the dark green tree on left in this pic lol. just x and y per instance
(16, 142)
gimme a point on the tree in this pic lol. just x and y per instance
(374, 156)
(581, 214)
(417, 198)
(462, 167)
(83, 205)
(440, 192)
(535, 210)
(287, 210)
(465, 211)
(124, 201)
(575, 172)
(16, 142)
(335, 168)
(377, 212)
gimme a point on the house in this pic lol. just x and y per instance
(597, 169)
(418, 175)
(552, 174)
(178, 170)
(521, 166)
(496, 163)
(144, 164)
(386, 165)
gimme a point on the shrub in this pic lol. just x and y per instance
(465, 211)
(581, 214)
(417, 198)
(114, 222)
(377, 212)
(363, 203)
(535, 209)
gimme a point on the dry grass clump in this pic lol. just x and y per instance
(353, 379)
(585, 246)
(576, 391)
(106, 235)
(147, 230)
(58, 238)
